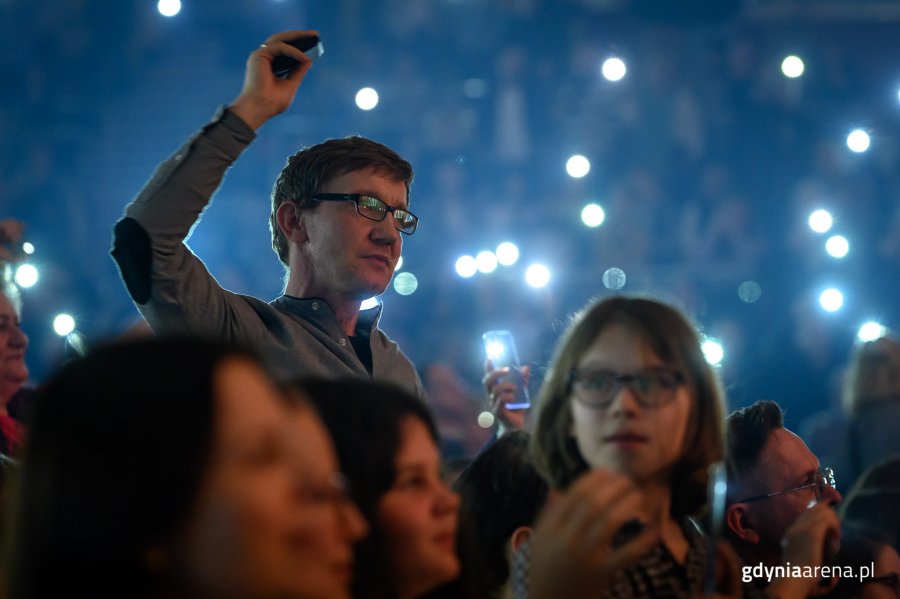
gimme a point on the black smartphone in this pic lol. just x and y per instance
(500, 349)
(311, 45)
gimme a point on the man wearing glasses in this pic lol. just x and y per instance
(340, 210)
(773, 479)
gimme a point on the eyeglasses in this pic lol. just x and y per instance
(824, 479)
(652, 387)
(374, 209)
(889, 580)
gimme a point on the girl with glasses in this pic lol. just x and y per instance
(630, 420)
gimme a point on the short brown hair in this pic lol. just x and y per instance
(309, 169)
(671, 337)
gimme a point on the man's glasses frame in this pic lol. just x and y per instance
(374, 209)
(824, 477)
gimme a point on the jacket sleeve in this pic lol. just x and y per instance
(171, 286)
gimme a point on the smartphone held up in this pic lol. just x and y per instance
(500, 349)
(311, 45)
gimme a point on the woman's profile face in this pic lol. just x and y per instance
(418, 515)
(271, 518)
(622, 434)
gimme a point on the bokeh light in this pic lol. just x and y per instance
(63, 324)
(486, 261)
(792, 66)
(507, 253)
(466, 266)
(713, 351)
(26, 275)
(593, 215)
(28, 248)
(858, 141)
(749, 292)
(613, 69)
(366, 98)
(169, 8)
(399, 264)
(578, 166)
(871, 331)
(837, 246)
(820, 221)
(831, 299)
(485, 419)
(614, 278)
(537, 276)
(406, 283)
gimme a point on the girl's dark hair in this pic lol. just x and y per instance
(501, 490)
(118, 443)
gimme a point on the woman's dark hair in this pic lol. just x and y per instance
(672, 337)
(500, 490)
(118, 444)
(365, 418)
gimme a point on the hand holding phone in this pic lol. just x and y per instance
(311, 45)
(500, 350)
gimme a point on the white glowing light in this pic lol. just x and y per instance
(28, 248)
(820, 221)
(613, 69)
(593, 215)
(399, 264)
(837, 246)
(713, 351)
(871, 331)
(485, 420)
(63, 324)
(614, 278)
(507, 253)
(858, 141)
(486, 261)
(26, 276)
(578, 166)
(792, 66)
(466, 267)
(494, 350)
(368, 304)
(168, 8)
(831, 299)
(366, 98)
(537, 276)
(406, 283)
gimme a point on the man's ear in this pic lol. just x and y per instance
(290, 222)
(519, 536)
(737, 519)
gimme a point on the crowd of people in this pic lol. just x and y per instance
(286, 449)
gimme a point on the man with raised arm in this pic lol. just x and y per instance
(339, 213)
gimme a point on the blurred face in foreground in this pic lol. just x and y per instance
(271, 518)
(419, 516)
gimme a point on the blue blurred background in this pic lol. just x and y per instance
(706, 159)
